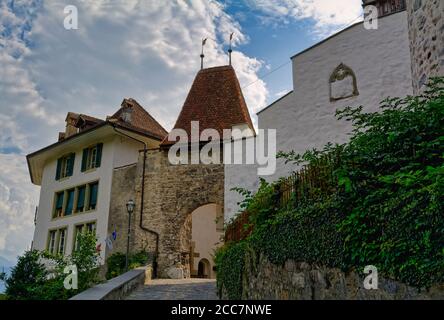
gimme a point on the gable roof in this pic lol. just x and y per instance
(138, 118)
(215, 100)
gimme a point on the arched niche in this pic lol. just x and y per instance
(343, 83)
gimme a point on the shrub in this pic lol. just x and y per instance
(116, 263)
(30, 279)
(230, 263)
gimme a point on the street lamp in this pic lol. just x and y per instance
(130, 208)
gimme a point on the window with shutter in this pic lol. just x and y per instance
(76, 200)
(81, 191)
(94, 188)
(69, 202)
(65, 166)
(92, 157)
(81, 228)
(58, 210)
(59, 167)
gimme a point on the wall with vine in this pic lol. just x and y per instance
(386, 208)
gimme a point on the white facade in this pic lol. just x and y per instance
(305, 118)
(117, 151)
(206, 237)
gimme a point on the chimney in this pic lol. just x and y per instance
(61, 136)
(71, 120)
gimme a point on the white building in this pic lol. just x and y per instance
(354, 67)
(76, 173)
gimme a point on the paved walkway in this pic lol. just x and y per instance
(172, 289)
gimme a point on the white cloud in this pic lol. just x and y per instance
(17, 203)
(148, 50)
(329, 15)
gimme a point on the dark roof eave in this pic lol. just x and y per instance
(325, 40)
(274, 102)
(102, 124)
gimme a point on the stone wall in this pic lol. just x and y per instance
(172, 193)
(301, 281)
(426, 34)
(122, 190)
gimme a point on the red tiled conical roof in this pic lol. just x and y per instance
(215, 100)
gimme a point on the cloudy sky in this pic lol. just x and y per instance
(144, 49)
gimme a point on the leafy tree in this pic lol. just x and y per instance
(27, 278)
(40, 275)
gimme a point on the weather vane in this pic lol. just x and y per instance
(230, 50)
(202, 54)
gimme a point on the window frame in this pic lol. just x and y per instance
(84, 226)
(92, 157)
(58, 213)
(65, 166)
(53, 243)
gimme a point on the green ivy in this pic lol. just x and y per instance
(230, 263)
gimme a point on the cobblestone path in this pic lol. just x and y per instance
(171, 289)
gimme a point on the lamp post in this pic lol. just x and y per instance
(130, 208)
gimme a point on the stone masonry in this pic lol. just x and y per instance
(122, 190)
(426, 34)
(172, 193)
(302, 281)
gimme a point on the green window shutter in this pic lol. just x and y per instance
(99, 154)
(59, 202)
(81, 198)
(70, 202)
(59, 165)
(71, 159)
(84, 159)
(93, 195)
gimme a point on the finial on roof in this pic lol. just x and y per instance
(202, 53)
(230, 50)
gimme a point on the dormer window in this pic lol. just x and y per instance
(92, 157)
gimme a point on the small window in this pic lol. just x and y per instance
(93, 190)
(65, 166)
(88, 227)
(81, 191)
(91, 227)
(78, 230)
(59, 204)
(92, 157)
(52, 241)
(62, 241)
(69, 202)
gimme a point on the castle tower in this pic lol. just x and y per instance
(184, 203)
